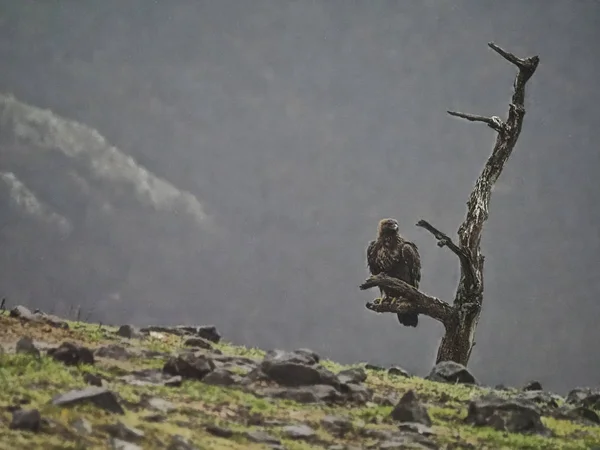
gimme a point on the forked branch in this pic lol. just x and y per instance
(410, 299)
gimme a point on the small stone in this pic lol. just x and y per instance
(160, 404)
(303, 356)
(198, 342)
(261, 437)
(113, 351)
(218, 431)
(358, 393)
(71, 354)
(22, 312)
(415, 427)
(25, 345)
(355, 375)
(29, 420)
(374, 367)
(219, 377)
(409, 409)
(124, 432)
(101, 397)
(82, 426)
(312, 356)
(209, 332)
(118, 444)
(582, 412)
(305, 394)
(291, 373)
(189, 366)
(398, 371)
(302, 432)
(588, 397)
(91, 379)
(128, 331)
(338, 426)
(180, 443)
(533, 386)
(513, 415)
(451, 372)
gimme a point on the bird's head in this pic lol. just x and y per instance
(387, 227)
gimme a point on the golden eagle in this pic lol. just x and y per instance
(396, 257)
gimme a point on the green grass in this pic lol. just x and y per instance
(38, 380)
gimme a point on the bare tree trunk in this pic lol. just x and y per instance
(460, 319)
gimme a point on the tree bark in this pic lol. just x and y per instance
(461, 318)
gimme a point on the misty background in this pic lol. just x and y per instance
(226, 162)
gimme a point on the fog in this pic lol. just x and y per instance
(289, 128)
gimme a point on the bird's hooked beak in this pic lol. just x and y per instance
(394, 226)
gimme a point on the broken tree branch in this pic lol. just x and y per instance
(493, 122)
(445, 241)
(410, 299)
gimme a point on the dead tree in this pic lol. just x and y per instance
(460, 319)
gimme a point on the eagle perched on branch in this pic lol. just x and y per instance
(396, 257)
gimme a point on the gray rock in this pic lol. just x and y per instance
(24, 313)
(409, 409)
(302, 432)
(159, 404)
(408, 442)
(451, 372)
(546, 400)
(208, 332)
(29, 420)
(198, 342)
(533, 386)
(113, 351)
(376, 433)
(292, 373)
(355, 375)
(261, 437)
(513, 415)
(118, 444)
(305, 394)
(124, 432)
(336, 425)
(358, 393)
(82, 426)
(180, 443)
(415, 427)
(220, 377)
(91, 379)
(151, 377)
(384, 400)
(218, 431)
(193, 366)
(588, 397)
(302, 356)
(71, 354)
(308, 353)
(101, 397)
(26, 346)
(398, 371)
(128, 331)
(581, 413)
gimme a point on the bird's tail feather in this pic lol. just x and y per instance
(408, 319)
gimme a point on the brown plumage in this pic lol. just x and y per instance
(396, 257)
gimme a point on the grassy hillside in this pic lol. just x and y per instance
(234, 405)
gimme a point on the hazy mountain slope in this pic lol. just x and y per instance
(86, 211)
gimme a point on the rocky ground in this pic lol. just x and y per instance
(84, 386)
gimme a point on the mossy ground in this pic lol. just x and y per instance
(36, 380)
